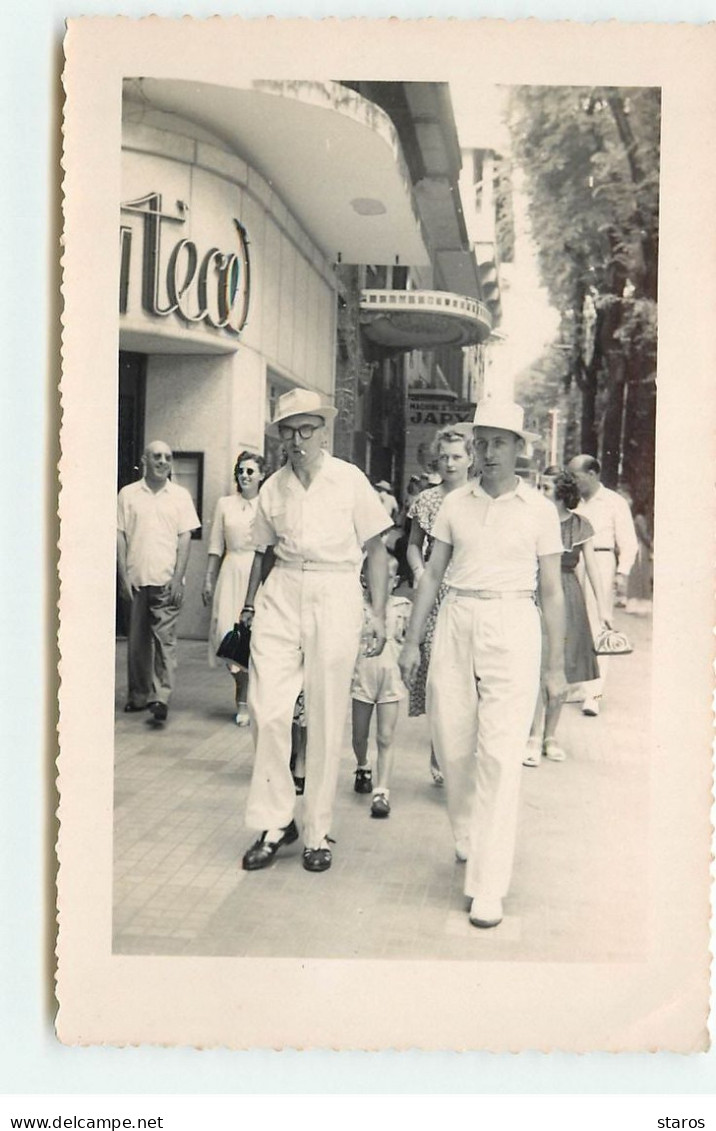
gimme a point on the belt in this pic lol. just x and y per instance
(604, 550)
(332, 567)
(494, 594)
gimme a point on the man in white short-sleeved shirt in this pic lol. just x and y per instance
(502, 540)
(319, 514)
(615, 545)
(155, 518)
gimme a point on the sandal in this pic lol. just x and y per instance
(533, 754)
(364, 780)
(318, 859)
(553, 750)
(300, 785)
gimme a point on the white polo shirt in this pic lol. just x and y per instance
(610, 516)
(152, 522)
(330, 521)
(497, 542)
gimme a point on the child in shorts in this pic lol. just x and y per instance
(377, 683)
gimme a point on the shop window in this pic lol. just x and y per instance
(188, 471)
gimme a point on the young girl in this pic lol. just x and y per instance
(377, 683)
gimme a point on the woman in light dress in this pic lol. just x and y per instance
(231, 553)
(580, 662)
(454, 450)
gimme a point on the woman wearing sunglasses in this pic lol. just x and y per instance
(231, 553)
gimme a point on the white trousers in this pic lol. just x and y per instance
(607, 566)
(306, 634)
(481, 693)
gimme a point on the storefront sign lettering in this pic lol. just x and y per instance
(437, 412)
(214, 287)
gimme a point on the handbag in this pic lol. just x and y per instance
(236, 645)
(610, 642)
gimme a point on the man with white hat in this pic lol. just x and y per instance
(503, 540)
(320, 515)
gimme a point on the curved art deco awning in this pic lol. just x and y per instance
(333, 158)
(410, 320)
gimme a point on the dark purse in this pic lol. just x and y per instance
(236, 645)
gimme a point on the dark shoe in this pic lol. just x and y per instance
(318, 859)
(364, 780)
(380, 806)
(300, 784)
(129, 708)
(263, 851)
(159, 711)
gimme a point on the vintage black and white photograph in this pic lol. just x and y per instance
(377, 607)
(456, 287)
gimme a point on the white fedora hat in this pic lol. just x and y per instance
(503, 414)
(300, 402)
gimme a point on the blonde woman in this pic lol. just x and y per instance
(454, 451)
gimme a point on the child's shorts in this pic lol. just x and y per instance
(377, 679)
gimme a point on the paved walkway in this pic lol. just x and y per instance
(395, 889)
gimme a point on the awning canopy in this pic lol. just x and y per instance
(332, 157)
(408, 320)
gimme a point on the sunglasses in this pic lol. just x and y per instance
(248, 471)
(305, 431)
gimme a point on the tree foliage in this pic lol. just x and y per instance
(591, 162)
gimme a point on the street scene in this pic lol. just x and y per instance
(386, 405)
(395, 889)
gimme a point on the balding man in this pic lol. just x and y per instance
(616, 546)
(155, 518)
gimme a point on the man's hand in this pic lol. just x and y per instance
(176, 592)
(409, 662)
(555, 685)
(247, 615)
(125, 589)
(374, 635)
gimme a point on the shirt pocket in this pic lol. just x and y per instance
(278, 517)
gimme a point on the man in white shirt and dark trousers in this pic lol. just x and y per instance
(616, 546)
(320, 515)
(155, 518)
(502, 540)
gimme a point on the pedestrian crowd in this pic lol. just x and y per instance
(509, 587)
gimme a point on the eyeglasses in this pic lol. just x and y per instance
(305, 431)
(248, 471)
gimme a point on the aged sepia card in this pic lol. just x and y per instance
(406, 218)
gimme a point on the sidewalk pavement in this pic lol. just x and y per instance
(579, 890)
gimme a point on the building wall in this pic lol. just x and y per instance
(205, 387)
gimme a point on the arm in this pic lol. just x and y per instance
(592, 571)
(551, 598)
(255, 577)
(212, 572)
(377, 572)
(176, 585)
(414, 552)
(625, 542)
(425, 598)
(125, 586)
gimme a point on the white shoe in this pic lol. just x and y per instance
(242, 716)
(533, 753)
(486, 912)
(590, 707)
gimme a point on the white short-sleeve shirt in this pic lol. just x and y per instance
(496, 543)
(152, 521)
(330, 521)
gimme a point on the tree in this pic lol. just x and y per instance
(591, 162)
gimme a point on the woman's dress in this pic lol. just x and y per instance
(424, 510)
(580, 663)
(231, 538)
